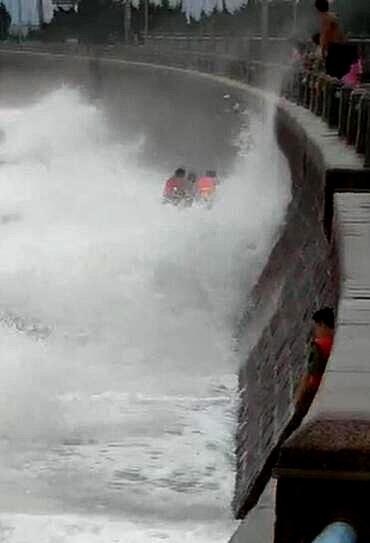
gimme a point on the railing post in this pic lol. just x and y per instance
(345, 96)
(146, 18)
(333, 96)
(314, 80)
(127, 21)
(296, 87)
(307, 91)
(41, 12)
(362, 123)
(325, 92)
(367, 137)
(353, 116)
(265, 28)
(301, 88)
(319, 96)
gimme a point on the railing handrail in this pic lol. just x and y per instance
(343, 108)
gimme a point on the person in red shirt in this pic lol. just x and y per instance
(319, 351)
(175, 187)
(323, 336)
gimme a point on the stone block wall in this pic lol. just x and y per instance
(300, 276)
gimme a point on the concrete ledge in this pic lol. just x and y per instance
(332, 447)
(258, 526)
(327, 448)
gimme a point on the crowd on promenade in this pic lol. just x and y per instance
(329, 50)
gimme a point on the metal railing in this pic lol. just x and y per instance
(344, 109)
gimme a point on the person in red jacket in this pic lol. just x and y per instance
(175, 186)
(323, 336)
(319, 350)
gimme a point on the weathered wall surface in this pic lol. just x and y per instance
(323, 469)
(299, 278)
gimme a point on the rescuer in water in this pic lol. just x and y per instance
(175, 187)
(319, 351)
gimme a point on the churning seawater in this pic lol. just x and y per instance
(118, 380)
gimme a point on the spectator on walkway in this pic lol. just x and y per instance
(338, 54)
(330, 29)
(319, 350)
(354, 77)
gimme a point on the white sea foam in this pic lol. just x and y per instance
(118, 379)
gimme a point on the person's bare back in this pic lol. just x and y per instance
(331, 31)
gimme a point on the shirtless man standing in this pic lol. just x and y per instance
(338, 54)
(330, 30)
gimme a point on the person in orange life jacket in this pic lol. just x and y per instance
(319, 350)
(176, 185)
(206, 184)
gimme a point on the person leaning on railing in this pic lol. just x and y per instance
(318, 353)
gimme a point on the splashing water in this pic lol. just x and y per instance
(118, 380)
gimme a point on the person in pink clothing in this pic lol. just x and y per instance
(353, 77)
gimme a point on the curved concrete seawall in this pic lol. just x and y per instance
(300, 277)
(302, 274)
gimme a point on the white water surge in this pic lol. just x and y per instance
(118, 382)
